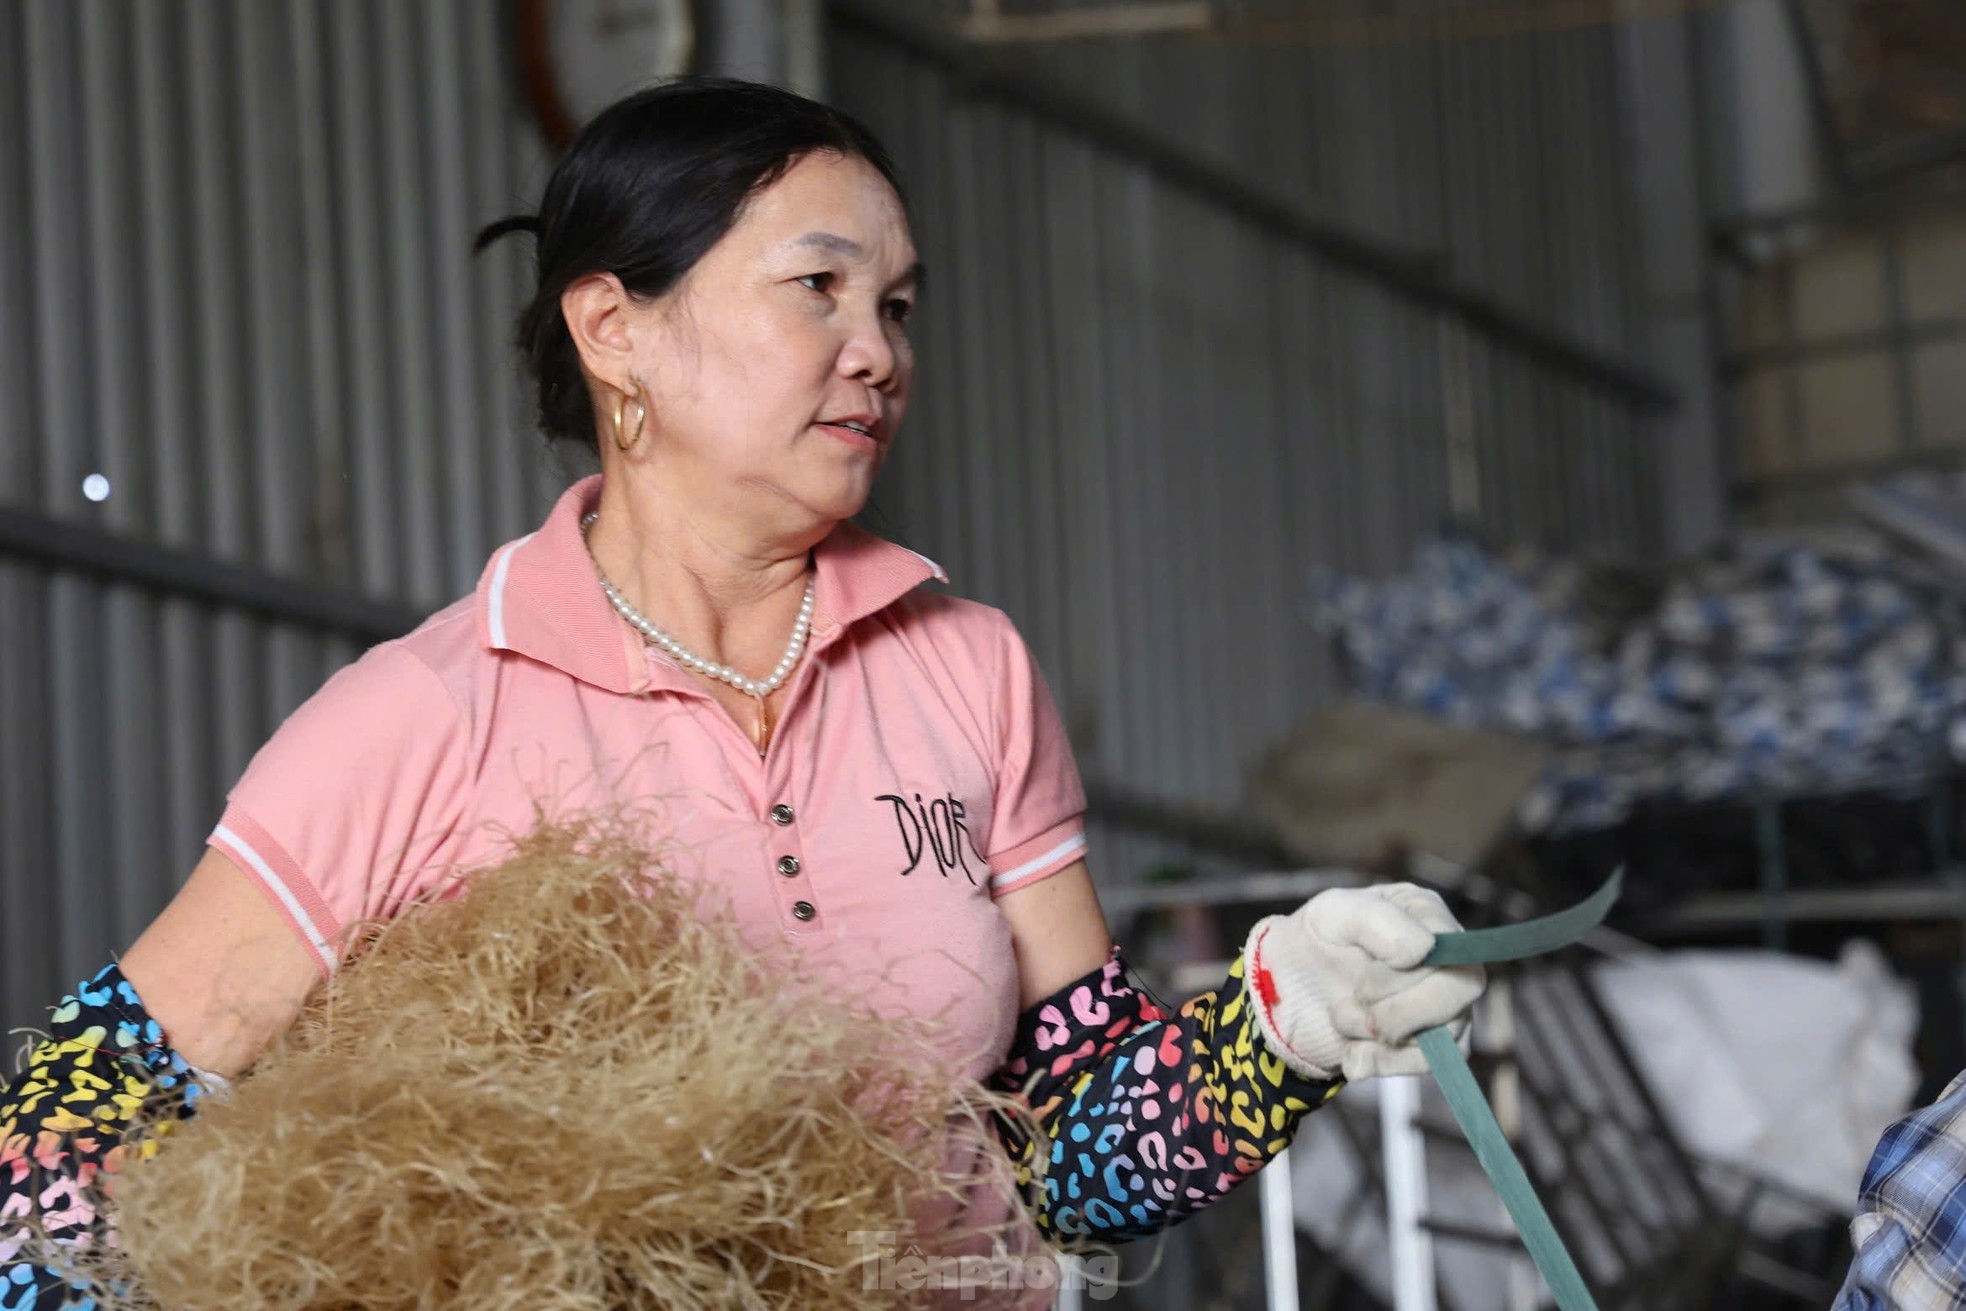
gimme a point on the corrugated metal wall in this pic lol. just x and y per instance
(237, 284)
(236, 280)
(1145, 423)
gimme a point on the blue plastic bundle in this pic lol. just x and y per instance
(1780, 669)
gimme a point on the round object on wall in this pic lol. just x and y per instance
(579, 56)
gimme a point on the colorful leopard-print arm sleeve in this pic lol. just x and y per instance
(63, 1120)
(1146, 1118)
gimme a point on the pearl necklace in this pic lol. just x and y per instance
(756, 688)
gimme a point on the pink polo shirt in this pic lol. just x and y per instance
(919, 772)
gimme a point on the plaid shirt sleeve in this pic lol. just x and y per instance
(1910, 1230)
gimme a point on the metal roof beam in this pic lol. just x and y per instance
(988, 23)
(79, 548)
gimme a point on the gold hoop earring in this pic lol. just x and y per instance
(623, 442)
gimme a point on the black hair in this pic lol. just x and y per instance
(644, 192)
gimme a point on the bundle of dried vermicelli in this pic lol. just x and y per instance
(562, 1089)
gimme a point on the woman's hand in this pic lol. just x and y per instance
(1340, 988)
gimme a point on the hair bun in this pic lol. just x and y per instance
(505, 227)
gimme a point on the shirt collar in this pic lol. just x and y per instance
(539, 598)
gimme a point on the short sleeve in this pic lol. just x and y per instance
(352, 797)
(1037, 825)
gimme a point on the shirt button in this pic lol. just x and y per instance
(803, 910)
(781, 814)
(788, 866)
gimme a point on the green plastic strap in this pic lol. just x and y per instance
(1470, 1108)
(1529, 938)
(1504, 1171)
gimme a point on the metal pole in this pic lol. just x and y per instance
(745, 38)
(1773, 853)
(1071, 1285)
(1279, 1233)
(805, 47)
(1495, 1031)
(1405, 1154)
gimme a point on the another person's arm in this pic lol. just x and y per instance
(1910, 1228)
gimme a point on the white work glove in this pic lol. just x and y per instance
(1338, 984)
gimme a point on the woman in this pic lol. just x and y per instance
(865, 774)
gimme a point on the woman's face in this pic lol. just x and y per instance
(779, 369)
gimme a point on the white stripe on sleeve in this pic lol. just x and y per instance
(1068, 847)
(279, 889)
